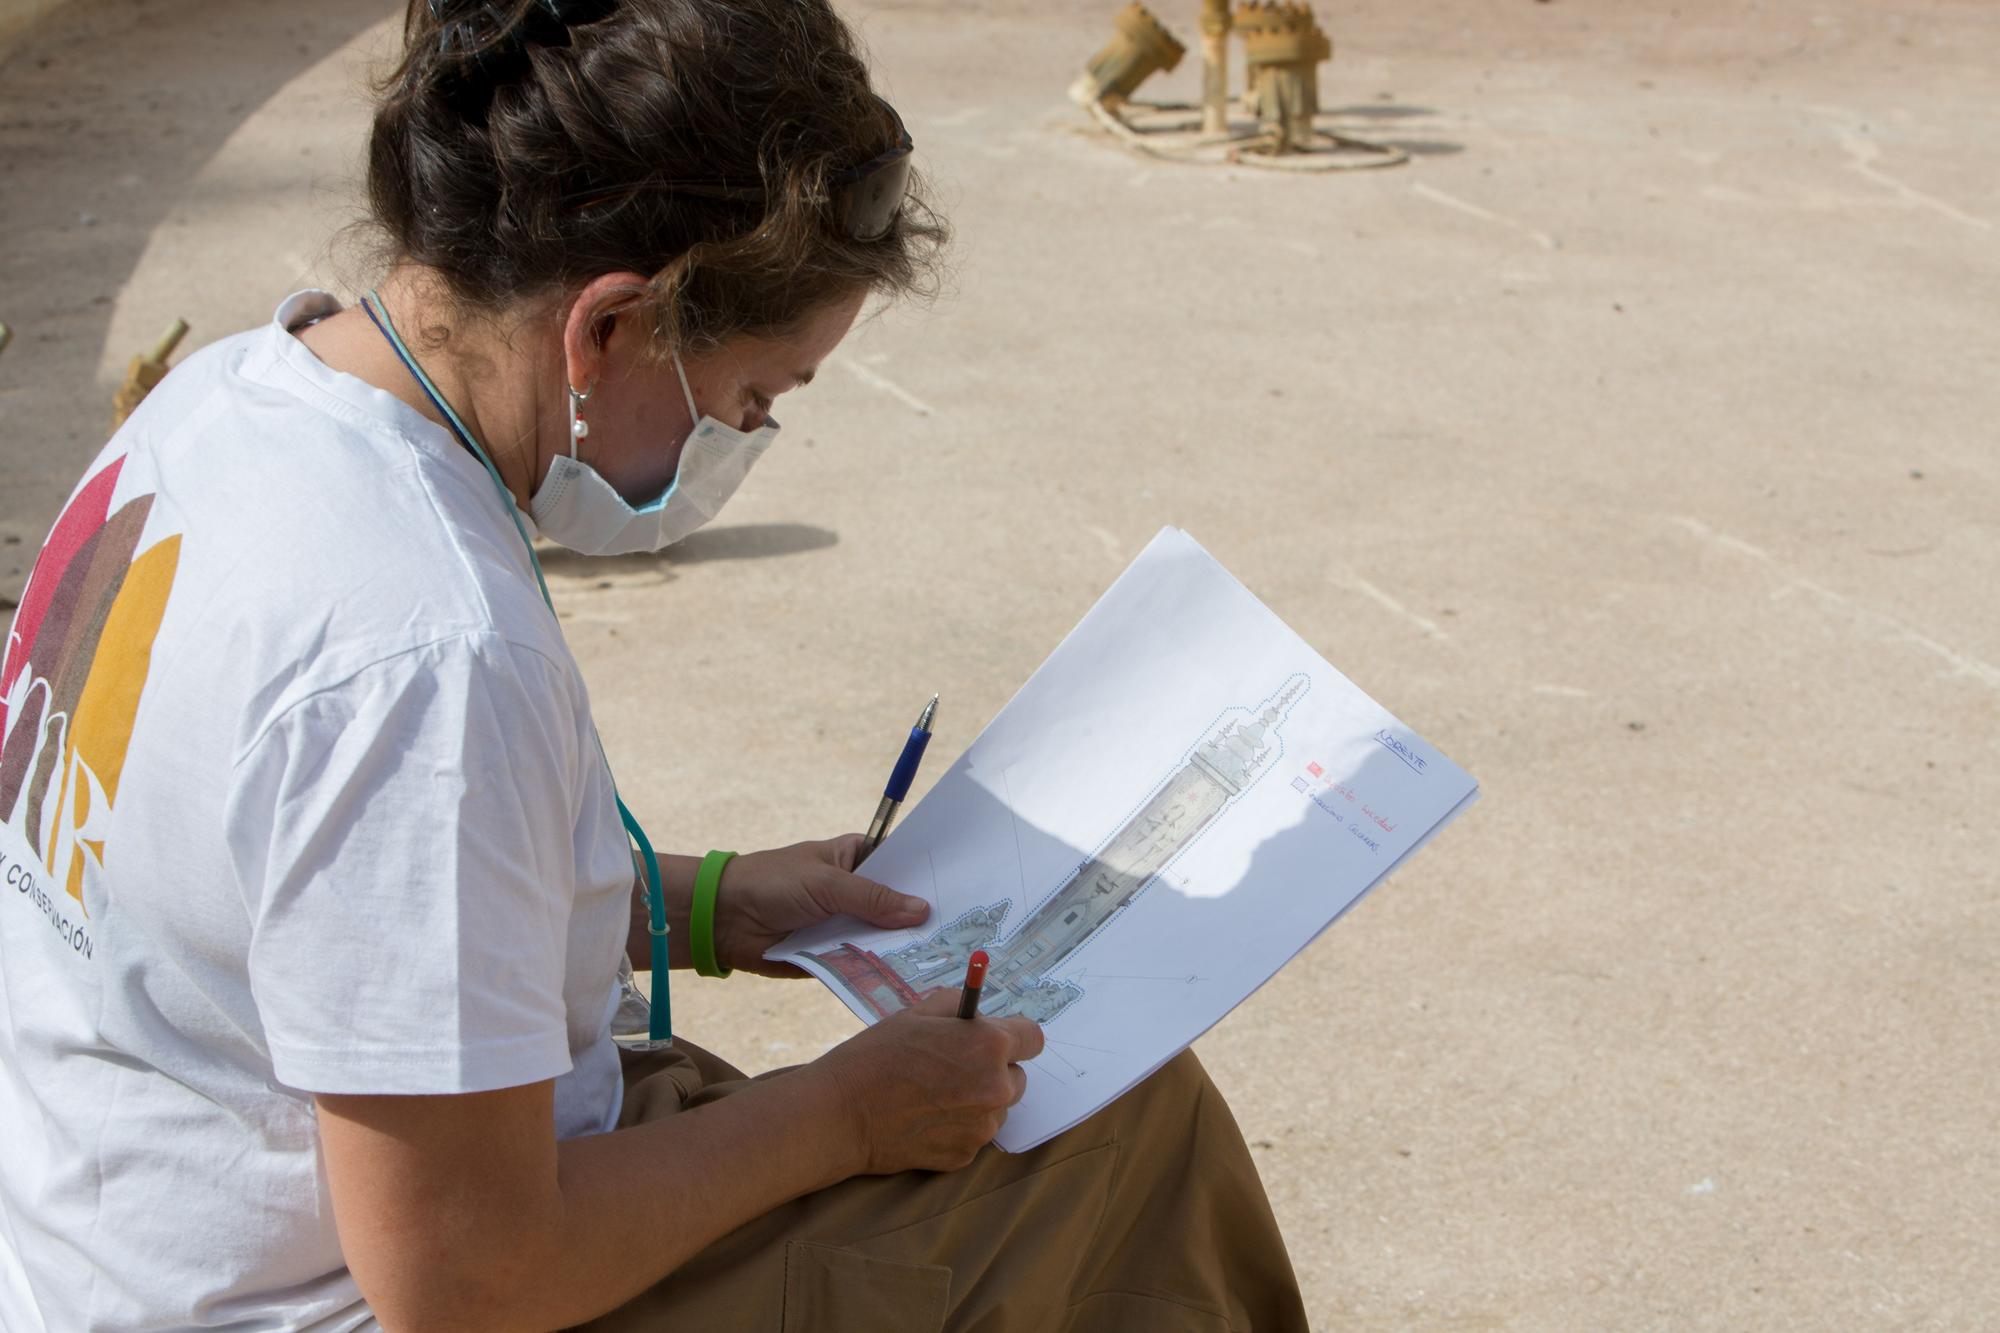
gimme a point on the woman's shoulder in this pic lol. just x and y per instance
(316, 530)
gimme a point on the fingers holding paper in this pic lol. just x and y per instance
(765, 896)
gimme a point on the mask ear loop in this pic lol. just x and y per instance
(694, 413)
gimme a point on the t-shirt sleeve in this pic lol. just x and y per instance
(405, 845)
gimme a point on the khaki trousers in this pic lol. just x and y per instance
(1148, 1217)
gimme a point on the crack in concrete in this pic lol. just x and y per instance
(1887, 628)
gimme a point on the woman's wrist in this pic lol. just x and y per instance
(838, 1129)
(701, 914)
(677, 884)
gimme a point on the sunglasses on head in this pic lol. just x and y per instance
(867, 197)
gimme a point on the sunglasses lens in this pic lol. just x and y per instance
(869, 208)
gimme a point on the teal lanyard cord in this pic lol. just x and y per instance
(661, 1027)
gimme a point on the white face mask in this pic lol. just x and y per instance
(576, 507)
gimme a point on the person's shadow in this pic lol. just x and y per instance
(736, 541)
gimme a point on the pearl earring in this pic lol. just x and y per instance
(578, 427)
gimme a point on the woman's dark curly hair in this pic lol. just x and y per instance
(521, 149)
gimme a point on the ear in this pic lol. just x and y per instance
(591, 322)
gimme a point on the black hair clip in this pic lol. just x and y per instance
(483, 45)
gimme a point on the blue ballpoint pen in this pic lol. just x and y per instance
(900, 779)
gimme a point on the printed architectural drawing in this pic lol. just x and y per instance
(1241, 746)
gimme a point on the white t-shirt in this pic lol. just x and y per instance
(299, 793)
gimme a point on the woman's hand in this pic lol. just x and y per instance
(765, 896)
(925, 1089)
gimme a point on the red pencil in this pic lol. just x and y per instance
(975, 977)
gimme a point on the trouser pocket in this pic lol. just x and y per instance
(831, 1290)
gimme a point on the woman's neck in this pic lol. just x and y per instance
(489, 379)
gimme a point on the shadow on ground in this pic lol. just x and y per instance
(738, 541)
(91, 172)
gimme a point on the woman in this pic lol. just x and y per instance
(321, 884)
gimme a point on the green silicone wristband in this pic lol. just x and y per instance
(701, 918)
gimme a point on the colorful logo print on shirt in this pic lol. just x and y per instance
(76, 661)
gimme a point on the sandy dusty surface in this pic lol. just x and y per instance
(1634, 443)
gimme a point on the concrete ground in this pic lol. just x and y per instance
(1634, 443)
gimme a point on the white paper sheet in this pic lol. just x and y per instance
(1176, 803)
